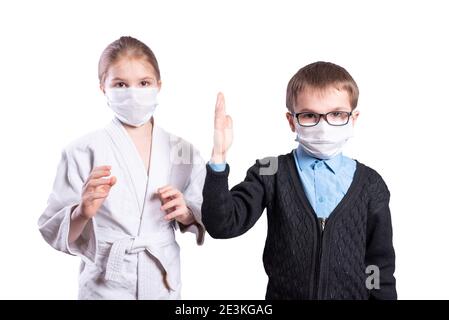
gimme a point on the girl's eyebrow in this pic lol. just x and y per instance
(147, 78)
(117, 79)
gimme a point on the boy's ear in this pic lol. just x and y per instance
(355, 116)
(102, 88)
(291, 121)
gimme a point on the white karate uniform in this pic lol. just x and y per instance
(128, 251)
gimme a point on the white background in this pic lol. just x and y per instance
(396, 50)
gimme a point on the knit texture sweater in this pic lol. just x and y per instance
(303, 257)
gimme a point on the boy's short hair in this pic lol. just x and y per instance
(321, 75)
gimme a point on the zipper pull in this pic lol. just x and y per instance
(322, 223)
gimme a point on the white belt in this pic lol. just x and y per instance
(123, 245)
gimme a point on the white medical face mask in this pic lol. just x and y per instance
(133, 106)
(324, 141)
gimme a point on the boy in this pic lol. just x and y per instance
(329, 226)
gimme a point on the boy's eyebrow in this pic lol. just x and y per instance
(338, 109)
(331, 110)
(307, 110)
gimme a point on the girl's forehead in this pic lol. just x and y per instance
(127, 67)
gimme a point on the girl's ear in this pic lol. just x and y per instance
(102, 88)
(291, 121)
(159, 84)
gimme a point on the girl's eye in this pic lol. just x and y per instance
(120, 85)
(144, 83)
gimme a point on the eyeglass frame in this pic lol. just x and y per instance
(324, 116)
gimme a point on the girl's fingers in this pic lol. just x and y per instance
(99, 174)
(100, 168)
(170, 193)
(176, 213)
(164, 188)
(95, 195)
(104, 188)
(99, 182)
(172, 203)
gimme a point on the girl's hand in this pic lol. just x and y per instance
(174, 205)
(95, 191)
(223, 132)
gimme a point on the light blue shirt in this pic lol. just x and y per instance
(217, 167)
(325, 182)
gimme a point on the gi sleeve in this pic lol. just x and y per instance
(54, 223)
(194, 198)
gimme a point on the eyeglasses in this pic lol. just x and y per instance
(334, 118)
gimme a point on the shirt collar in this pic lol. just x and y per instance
(306, 161)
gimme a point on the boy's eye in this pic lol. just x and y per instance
(336, 114)
(308, 115)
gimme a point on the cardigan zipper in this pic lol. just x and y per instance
(321, 225)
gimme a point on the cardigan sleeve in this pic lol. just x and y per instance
(230, 213)
(379, 251)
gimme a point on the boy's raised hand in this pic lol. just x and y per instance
(223, 133)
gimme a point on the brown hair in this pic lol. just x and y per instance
(125, 46)
(321, 75)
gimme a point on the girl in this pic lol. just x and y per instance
(120, 192)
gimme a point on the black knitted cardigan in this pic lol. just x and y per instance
(304, 257)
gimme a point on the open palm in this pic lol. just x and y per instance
(223, 132)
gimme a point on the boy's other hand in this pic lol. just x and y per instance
(223, 133)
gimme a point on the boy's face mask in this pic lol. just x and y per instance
(323, 141)
(133, 106)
